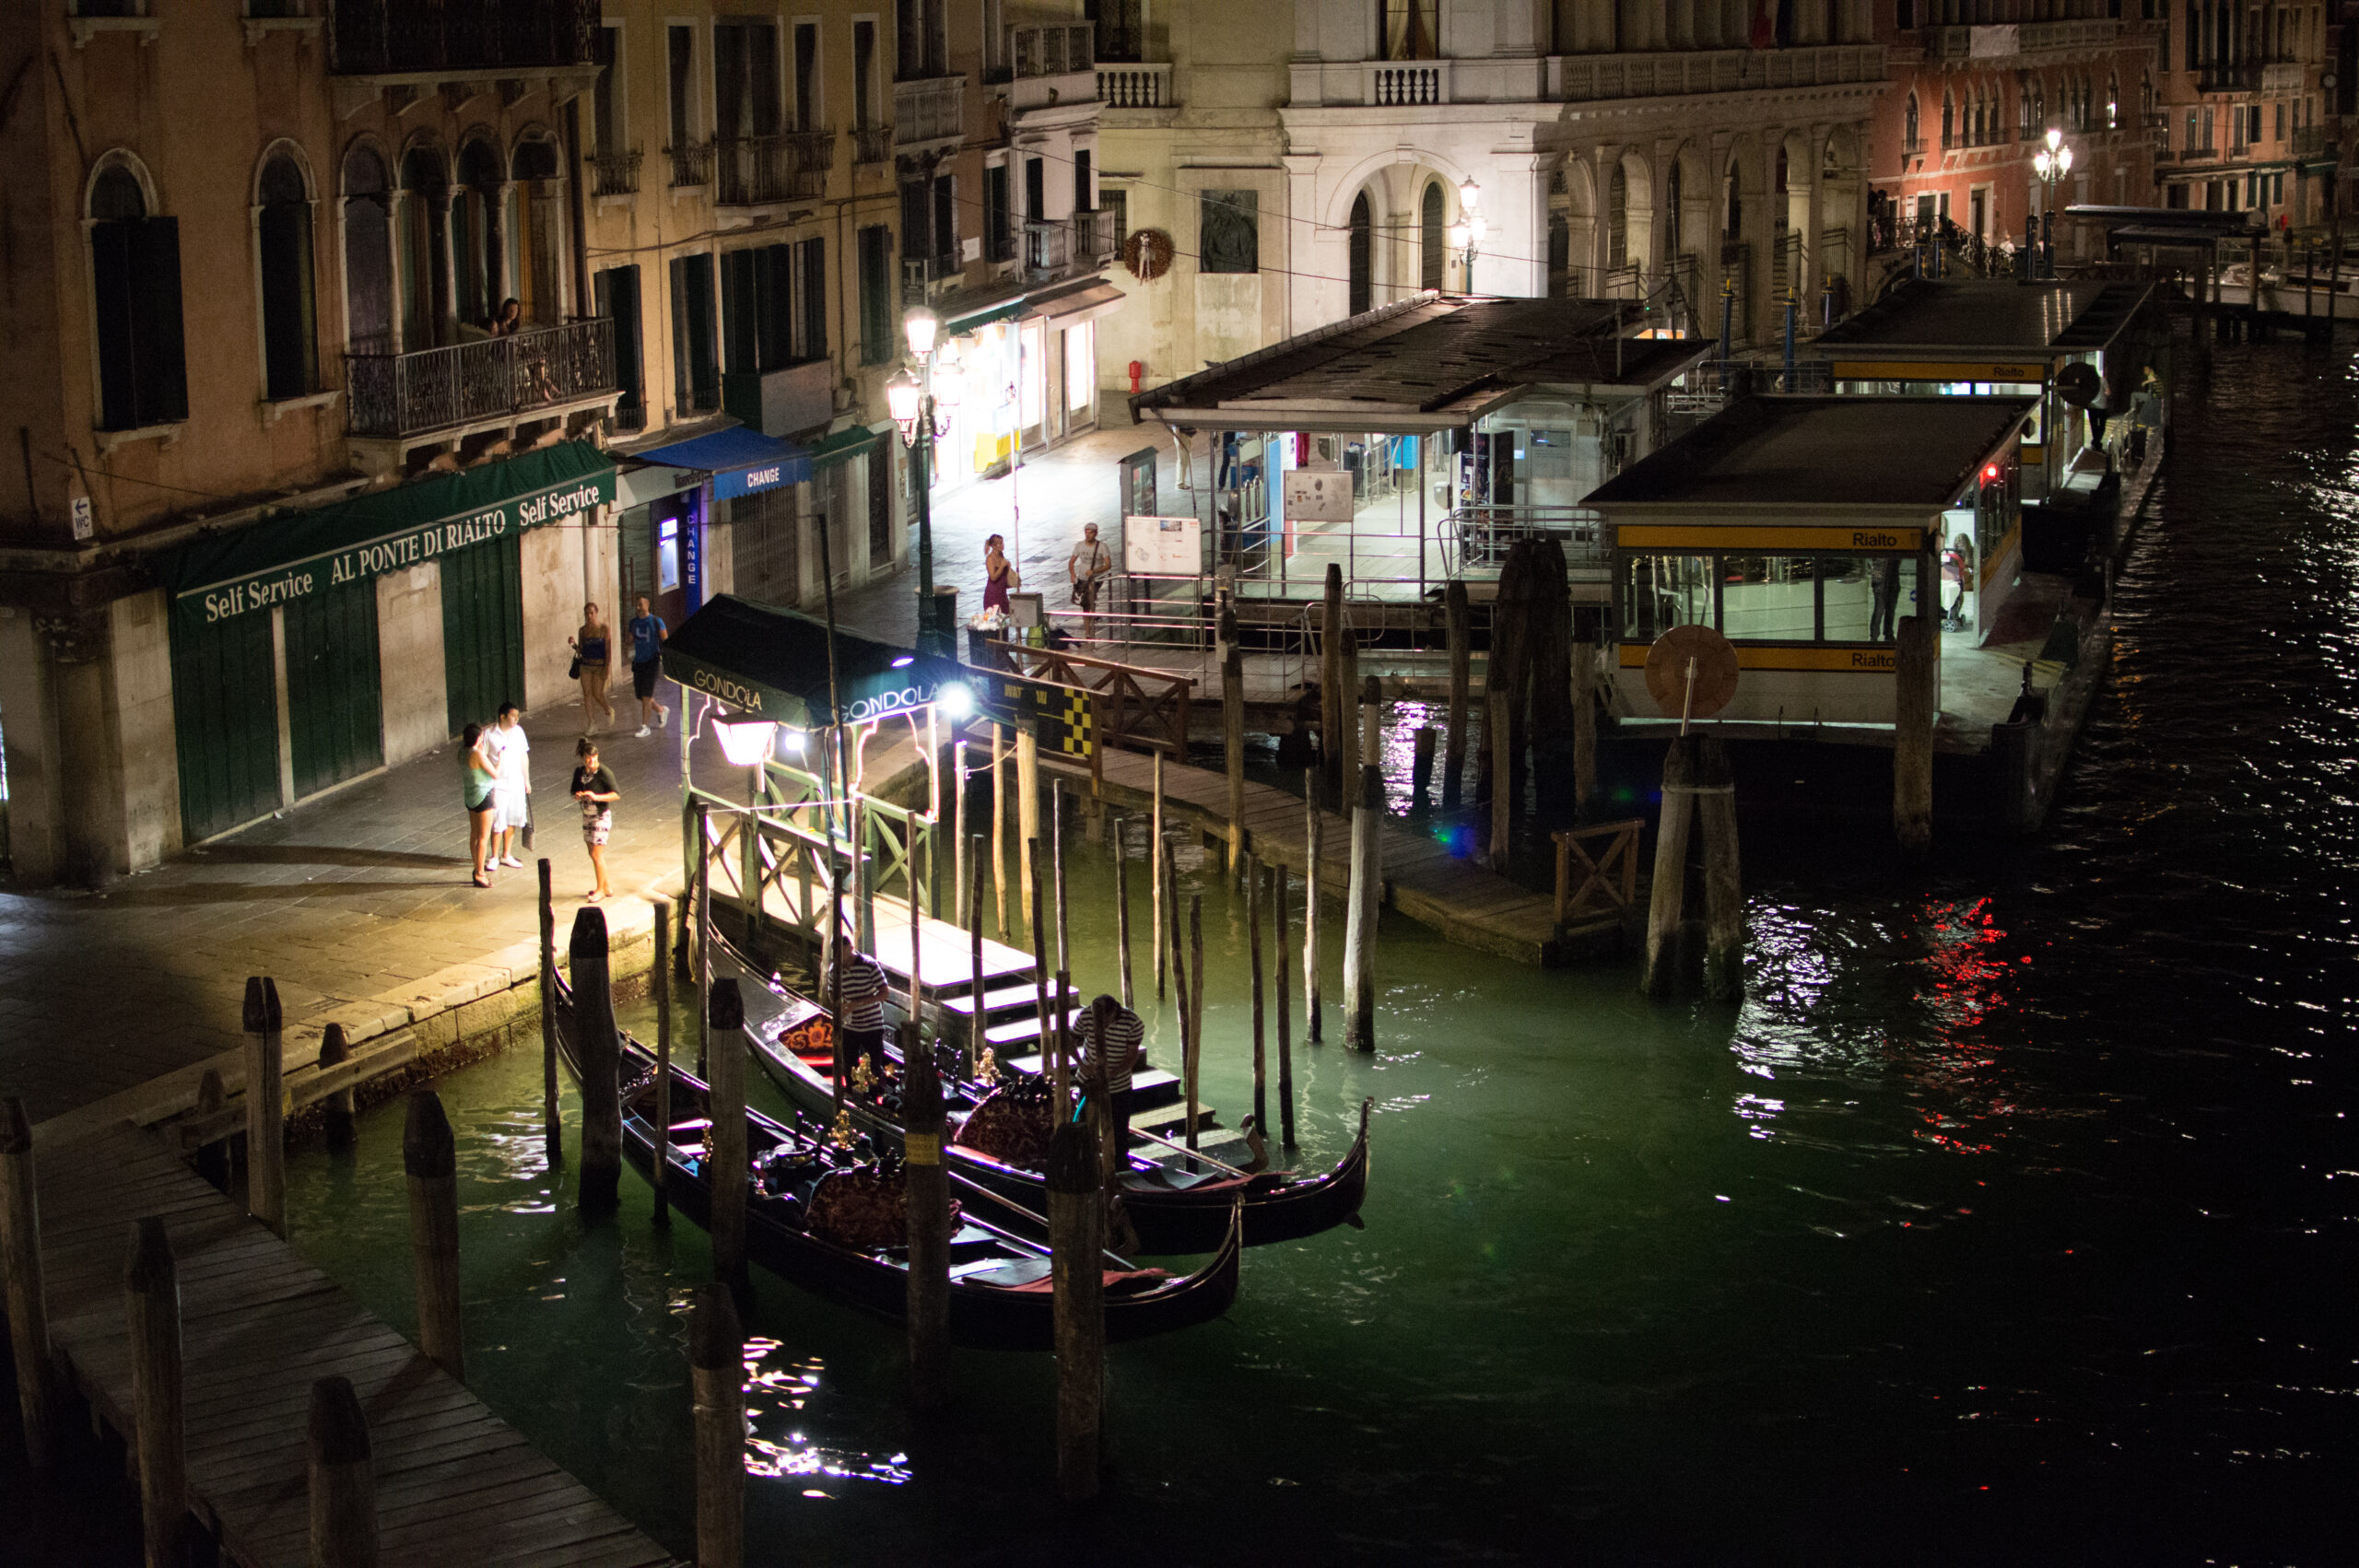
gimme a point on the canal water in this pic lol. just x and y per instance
(2003, 1219)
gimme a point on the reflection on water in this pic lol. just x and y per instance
(1998, 1222)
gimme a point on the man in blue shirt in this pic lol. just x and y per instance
(648, 635)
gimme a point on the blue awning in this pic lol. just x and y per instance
(740, 460)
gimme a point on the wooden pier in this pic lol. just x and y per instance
(260, 1325)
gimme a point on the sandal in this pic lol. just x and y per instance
(482, 880)
(592, 896)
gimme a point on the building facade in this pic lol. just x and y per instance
(2246, 117)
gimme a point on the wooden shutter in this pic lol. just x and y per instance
(811, 338)
(291, 359)
(111, 297)
(156, 320)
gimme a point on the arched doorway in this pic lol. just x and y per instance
(426, 263)
(367, 254)
(1431, 257)
(282, 232)
(475, 233)
(536, 228)
(1363, 282)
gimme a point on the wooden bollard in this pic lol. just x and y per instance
(1420, 763)
(717, 1386)
(1179, 959)
(979, 1022)
(336, 1108)
(1285, 1004)
(1123, 906)
(1668, 900)
(1917, 668)
(552, 1117)
(999, 827)
(1077, 1278)
(152, 1295)
(601, 1063)
(1068, 1071)
(1057, 871)
(928, 1196)
(1501, 734)
(663, 980)
(27, 1293)
(430, 1161)
(1154, 860)
(266, 1106)
(1315, 851)
(1350, 742)
(1253, 944)
(1584, 729)
(1195, 1045)
(1359, 928)
(725, 1014)
(1027, 805)
(1232, 739)
(1458, 624)
(212, 1160)
(1723, 879)
(1334, 697)
(1040, 970)
(341, 1466)
(959, 886)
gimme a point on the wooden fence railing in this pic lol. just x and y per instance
(1127, 715)
(1609, 879)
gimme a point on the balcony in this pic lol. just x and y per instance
(1913, 147)
(1047, 250)
(871, 144)
(2223, 76)
(691, 165)
(1394, 83)
(430, 39)
(614, 173)
(1053, 65)
(546, 370)
(1695, 71)
(757, 172)
(2313, 141)
(1136, 87)
(2282, 77)
(1093, 240)
(929, 114)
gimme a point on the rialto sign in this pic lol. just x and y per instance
(575, 502)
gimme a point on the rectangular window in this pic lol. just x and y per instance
(922, 39)
(696, 365)
(1768, 598)
(606, 103)
(616, 293)
(876, 336)
(1229, 231)
(680, 44)
(806, 76)
(744, 79)
(864, 75)
(2280, 122)
(1119, 203)
(917, 221)
(1085, 188)
(135, 290)
(1659, 592)
(1122, 34)
(811, 299)
(999, 241)
(1036, 190)
(945, 222)
(994, 41)
(1862, 596)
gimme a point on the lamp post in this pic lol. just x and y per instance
(2051, 163)
(922, 405)
(1466, 236)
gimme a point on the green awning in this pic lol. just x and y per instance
(982, 316)
(843, 445)
(301, 553)
(773, 662)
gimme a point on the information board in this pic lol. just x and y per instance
(1163, 546)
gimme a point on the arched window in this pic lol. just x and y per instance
(2112, 100)
(135, 300)
(368, 252)
(2024, 130)
(424, 247)
(533, 205)
(1363, 282)
(1916, 128)
(1675, 185)
(1430, 258)
(1949, 118)
(1617, 220)
(475, 233)
(1732, 206)
(290, 311)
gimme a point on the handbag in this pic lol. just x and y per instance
(573, 671)
(526, 834)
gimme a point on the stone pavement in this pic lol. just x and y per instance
(340, 900)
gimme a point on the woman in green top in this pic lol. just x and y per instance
(481, 773)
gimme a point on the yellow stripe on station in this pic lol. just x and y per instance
(1936, 370)
(1845, 661)
(1710, 541)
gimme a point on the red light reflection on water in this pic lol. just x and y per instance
(1969, 987)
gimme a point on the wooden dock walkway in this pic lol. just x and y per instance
(1459, 899)
(454, 1483)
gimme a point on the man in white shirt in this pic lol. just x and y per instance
(512, 794)
(1089, 565)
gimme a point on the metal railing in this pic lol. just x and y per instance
(763, 170)
(871, 144)
(929, 109)
(1125, 711)
(434, 388)
(691, 165)
(382, 37)
(1476, 540)
(614, 173)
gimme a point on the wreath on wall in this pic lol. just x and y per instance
(1147, 253)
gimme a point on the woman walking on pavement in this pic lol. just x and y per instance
(999, 575)
(594, 785)
(511, 797)
(482, 773)
(592, 663)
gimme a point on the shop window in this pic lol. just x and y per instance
(135, 296)
(290, 311)
(1229, 231)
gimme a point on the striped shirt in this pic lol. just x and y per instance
(863, 999)
(1125, 1040)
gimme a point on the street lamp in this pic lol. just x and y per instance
(2051, 163)
(923, 404)
(1467, 234)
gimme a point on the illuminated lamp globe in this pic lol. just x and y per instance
(901, 395)
(746, 741)
(949, 387)
(955, 700)
(920, 326)
(1469, 194)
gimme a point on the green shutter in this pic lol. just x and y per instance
(225, 721)
(483, 631)
(334, 713)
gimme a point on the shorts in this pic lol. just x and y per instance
(509, 809)
(1084, 593)
(643, 678)
(595, 827)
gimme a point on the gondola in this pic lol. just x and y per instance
(1000, 1297)
(1173, 1209)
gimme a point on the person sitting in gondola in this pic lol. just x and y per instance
(862, 1003)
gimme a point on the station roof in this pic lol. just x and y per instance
(1926, 319)
(1772, 454)
(1428, 363)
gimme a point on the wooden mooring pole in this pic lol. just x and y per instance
(151, 1298)
(1122, 904)
(1253, 943)
(1723, 879)
(1178, 965)
(336, 1107)
(552, 1120)
(1028, 806)
(1360, 919)
(662, 980)
(959, 885)
(1584, 729)
(717, 1388)
(928, 1199)
(1057, 869)
(340, 1464)
(1335, 699)
(1458, 624)
(1421, 764)
(27, 1293)
(1195, 1046)
(999, 827)
(1039, 950)
(1077, 1280)
(430, 1161)
(1500, 731)
(726, 1016)
(979, 1021)
(265, 1108)
(1912, 731)
(1285, 987)
(1667, 900)
(1155, 859)
(1315, 851)
(1232, 739)
(601, 1054)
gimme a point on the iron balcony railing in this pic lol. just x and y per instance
(383, 37)
(761, 170)
(469, 383)
(871, 144)
(691, 165)
(614, 173)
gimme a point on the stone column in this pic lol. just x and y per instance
(1305, 250)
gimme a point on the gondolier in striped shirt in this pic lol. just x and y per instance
(1112, 1042)
(862, 1020)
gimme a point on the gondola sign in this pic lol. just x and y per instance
(1062, 718)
